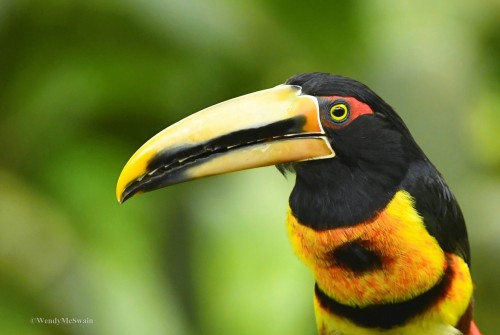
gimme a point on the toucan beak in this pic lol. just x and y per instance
(268, 127)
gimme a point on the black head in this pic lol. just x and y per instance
(326, 85)
(373, 148)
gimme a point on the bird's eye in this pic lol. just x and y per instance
(339, 112)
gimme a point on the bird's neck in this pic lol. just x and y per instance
(374, 261)
(331, 193)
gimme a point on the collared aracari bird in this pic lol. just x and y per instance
(369, 213)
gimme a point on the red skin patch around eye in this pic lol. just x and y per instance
(357, 108)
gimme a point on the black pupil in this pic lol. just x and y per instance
(339, 111)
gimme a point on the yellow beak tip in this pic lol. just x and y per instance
(119, 197)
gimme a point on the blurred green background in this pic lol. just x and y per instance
(84, 83)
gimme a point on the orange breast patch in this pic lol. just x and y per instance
(411, 259)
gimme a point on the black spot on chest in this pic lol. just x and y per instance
(355, 256)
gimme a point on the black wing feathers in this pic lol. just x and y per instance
(437, 205)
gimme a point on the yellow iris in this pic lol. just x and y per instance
(339, 112)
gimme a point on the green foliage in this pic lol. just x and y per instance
(84, 83)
